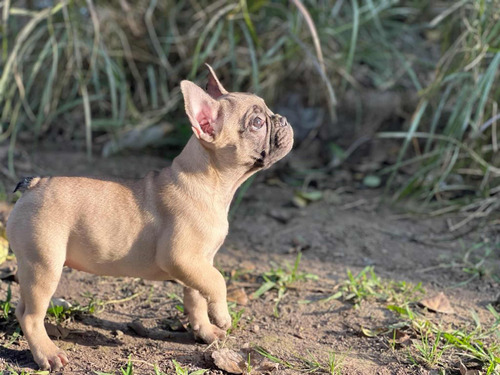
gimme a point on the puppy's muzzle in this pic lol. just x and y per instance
(280, 120)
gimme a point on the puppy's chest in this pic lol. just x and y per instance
(214, 238)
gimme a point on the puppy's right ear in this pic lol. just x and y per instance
(202, 111)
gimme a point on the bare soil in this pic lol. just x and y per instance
(347, 229)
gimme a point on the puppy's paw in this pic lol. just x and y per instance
(53, 359)
(220, 316)
(209, 333)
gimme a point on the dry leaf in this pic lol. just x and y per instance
(465, 371)
(237, 362)
(229, 360)
(368, 332)
(400, 338)
(438, 303)
(237, 295)
(57, 331)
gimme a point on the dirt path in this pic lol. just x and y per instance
(344, 230)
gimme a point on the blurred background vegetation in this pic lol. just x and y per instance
(402, 93)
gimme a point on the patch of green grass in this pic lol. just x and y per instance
(93, 306)
(476, 261)
(179, 370)
(433, 343)
(236, 316)
(366, 285)
(280, 279)
(333, 365)
(61, 313)
(428, 349)
(6, 308)
(11, 371)
(176, 297)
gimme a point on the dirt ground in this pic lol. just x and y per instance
(348, 228)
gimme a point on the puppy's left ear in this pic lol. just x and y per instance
(214, 87)
(202, 111)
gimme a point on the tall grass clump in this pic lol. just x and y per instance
(453, 133)
(108, 72)
(104, 76)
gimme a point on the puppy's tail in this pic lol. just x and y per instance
(27, 183)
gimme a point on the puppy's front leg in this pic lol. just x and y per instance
(208, 281)
(195, 306)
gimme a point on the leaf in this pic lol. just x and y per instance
(57, 331)
(263, 289)
(229, 360)
(238, 362)
(368, 332)
(311, 196)
(438, 303)
(237, 295)
(372, 181)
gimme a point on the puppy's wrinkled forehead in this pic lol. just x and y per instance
(245, 103)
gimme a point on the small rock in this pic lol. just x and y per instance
(118, 334)
(255, 328)
(282, 216)
(60, 302)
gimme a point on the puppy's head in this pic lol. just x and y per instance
(237, 129)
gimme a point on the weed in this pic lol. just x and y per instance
(236, 316)
(280, 279)
(476, 261)
(61, 313)
(479, 343)
(428, 349)
(179, 370)
(310, 364)
(6, 306)
(335, 364)
(129, 370)
(176, 297)
(272, 358)
(11, 371)
(367, 285)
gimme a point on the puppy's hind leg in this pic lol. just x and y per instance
(195, 306)
(39, 274)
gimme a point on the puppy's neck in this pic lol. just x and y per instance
(195, 168)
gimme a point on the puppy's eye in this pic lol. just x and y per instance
(257, 123)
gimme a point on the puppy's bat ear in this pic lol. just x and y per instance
(214, 87)
(202, 111)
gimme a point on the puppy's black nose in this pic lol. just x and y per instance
(283, 121)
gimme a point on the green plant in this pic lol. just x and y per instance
(6, 306)
(179, 370)
(451, 131)
(129, 370)
(176, 297)
(367, 285)
(429, 351)
(335, 364)
(236, 316)
(280, 279)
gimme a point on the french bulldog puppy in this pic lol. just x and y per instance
(165, 226)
